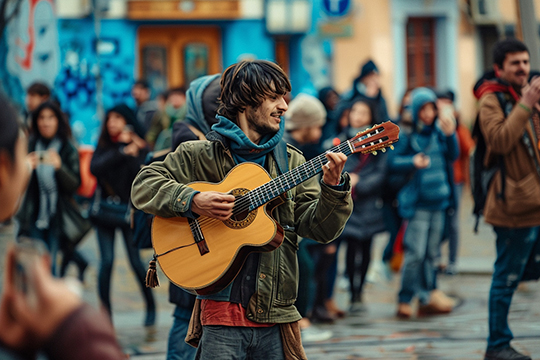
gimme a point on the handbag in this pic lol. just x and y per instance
(110, 211)
(74, 225)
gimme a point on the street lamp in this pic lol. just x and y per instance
(288, 17)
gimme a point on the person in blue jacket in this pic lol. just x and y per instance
(426, 154)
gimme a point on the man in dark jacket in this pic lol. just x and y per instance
(512, 206)
(240, 321)
(367, 86)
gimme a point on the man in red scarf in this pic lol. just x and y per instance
(508, 105)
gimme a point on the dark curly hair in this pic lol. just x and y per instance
(506, 46)
(64, 130)
(249, 83)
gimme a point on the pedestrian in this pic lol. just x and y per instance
(509, 123)
(60, 326)
(159, 134)
(445, 103)
(146, 108)
(330, 99)
(254, 315)
(36, 94)
(367, 181)
(55, 178)
(427, 153)
(394, 181)
(303, 124)
(119, 154)
(367, 86)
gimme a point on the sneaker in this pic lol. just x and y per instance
(357, 307)
(451, 269)
(386, 270)
(439, 303)
(508, 353)
(321, 315)
(312, 334)
(404, 311)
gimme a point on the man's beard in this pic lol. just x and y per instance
(262, 128)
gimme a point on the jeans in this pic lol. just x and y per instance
(392, 221)
(51, 238)
(453, 228)
(306, 282)
(513, 250)
(421, 243)
(237, 343)
(105, 237)
(177, 348)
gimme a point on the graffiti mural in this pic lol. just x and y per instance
(32, 45)
(76, 84)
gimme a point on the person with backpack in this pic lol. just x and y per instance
(509, 124)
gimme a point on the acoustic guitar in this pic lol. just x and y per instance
(204, 255)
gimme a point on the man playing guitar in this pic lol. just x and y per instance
(253, 316)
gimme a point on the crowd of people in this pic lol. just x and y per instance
(245, 115)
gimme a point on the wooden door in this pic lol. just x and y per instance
(172, 56)
(421, 52)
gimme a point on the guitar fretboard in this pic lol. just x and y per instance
(283, 183)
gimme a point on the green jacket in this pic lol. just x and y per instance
(313, 211)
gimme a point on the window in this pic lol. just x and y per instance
(196, 61)
(154, 66)
(421, 52)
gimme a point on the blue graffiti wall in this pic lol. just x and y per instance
(76, 83)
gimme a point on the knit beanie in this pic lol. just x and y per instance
(304, 111)
(420, 97)
(367, 69)
(129, 115)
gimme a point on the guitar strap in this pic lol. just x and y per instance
(280, 154)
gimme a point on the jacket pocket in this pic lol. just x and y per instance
(287, 281)
(522, 196)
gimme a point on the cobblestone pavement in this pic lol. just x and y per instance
(374, 333)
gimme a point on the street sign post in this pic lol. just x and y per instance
(336, 8)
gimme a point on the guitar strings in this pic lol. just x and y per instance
(244, 202)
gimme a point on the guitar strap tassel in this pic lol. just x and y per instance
(152, 280)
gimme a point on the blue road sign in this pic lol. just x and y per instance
(336, 7)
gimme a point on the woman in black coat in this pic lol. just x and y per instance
(367, 178)
(55, 179)
(119, 154)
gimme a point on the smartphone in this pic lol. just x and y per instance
(28, 252)
(43, 156)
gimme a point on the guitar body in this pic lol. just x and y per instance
(228, 242)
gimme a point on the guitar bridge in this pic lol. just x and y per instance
(198, 236)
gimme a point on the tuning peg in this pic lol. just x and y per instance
(374, 152)
(383, 150)
(391, 147)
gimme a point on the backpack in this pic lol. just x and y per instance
(141, 221)
(480, 174)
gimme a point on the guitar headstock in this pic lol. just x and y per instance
(379, 137)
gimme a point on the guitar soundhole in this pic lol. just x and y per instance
(240, 219)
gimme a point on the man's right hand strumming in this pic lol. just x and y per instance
(213, 204)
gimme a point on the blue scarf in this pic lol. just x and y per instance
(243, 149)
(48, 188)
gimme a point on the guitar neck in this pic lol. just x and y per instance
(283, 183)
